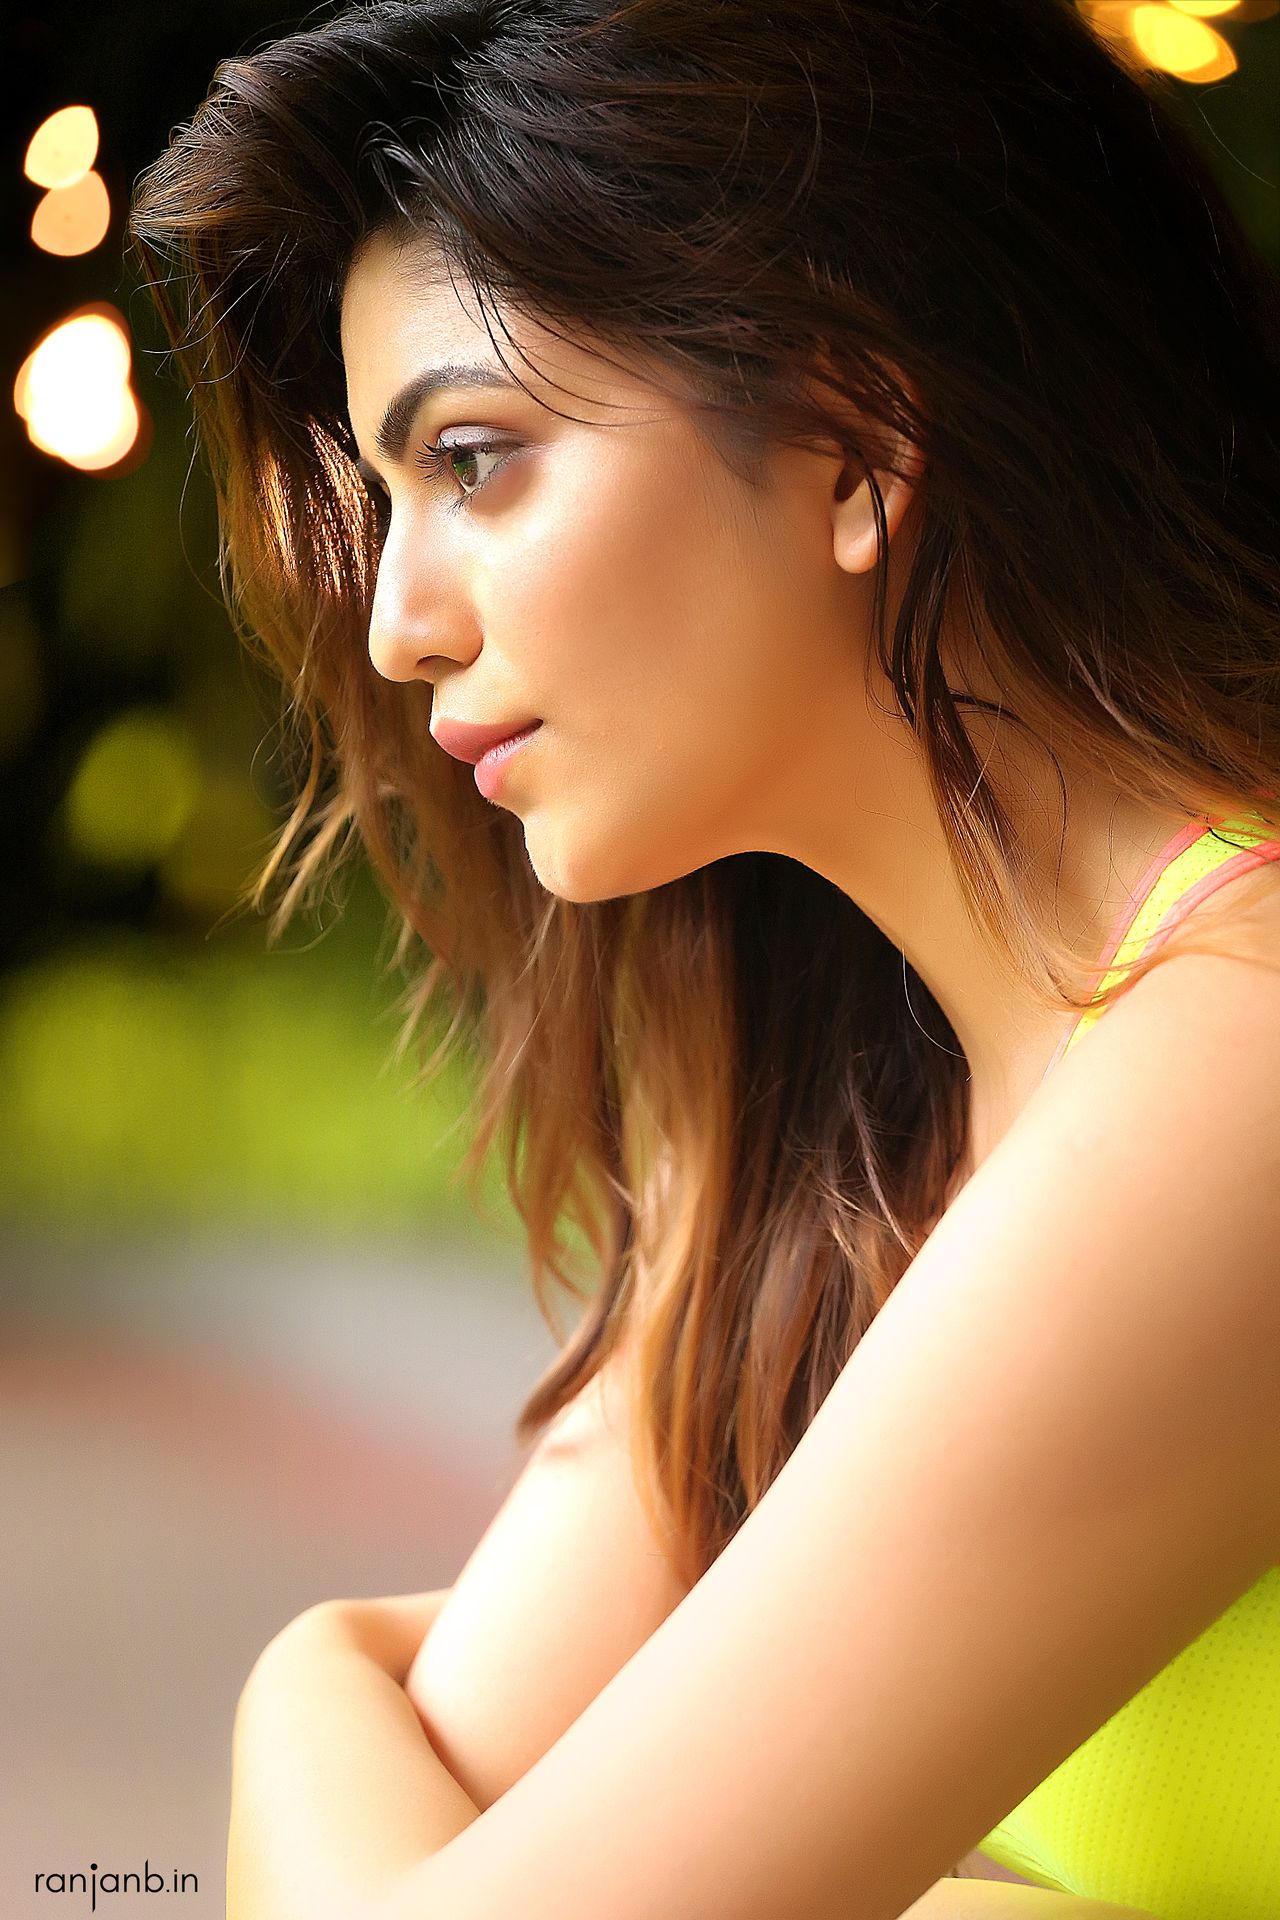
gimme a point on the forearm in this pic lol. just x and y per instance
(336, 1790)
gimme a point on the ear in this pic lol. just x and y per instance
(853, 516)
(896, 462)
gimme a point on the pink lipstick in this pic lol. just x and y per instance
(491, 766)
(486, 747)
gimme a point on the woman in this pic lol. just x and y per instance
(838, 443)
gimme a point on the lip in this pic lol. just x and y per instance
(491, 767)
(465, 741)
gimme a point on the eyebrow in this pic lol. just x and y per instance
(396, 424)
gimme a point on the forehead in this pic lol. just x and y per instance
(403, 312)
(398, 292)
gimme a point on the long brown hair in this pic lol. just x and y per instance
(996, 242)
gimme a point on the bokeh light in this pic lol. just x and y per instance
(1174, 36)
(221, 847)
(73, 391)
(70, 220)
(136, 787)
(62, 148)
(1179, 44)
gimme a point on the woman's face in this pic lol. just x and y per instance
(693, 649)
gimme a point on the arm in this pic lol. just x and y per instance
(1048, 1465)
(323, 1723)
(322, 1726)
(329, 1752)
(567, 1582)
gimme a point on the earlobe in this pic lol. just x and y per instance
(853, 515)
(854, 528)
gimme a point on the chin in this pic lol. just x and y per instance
(583, 875)
(579, 889)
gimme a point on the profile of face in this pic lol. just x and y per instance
(579, 554)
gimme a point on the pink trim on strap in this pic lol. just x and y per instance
(1238, 863)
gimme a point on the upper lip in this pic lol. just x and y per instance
(466, 741)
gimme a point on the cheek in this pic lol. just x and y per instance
(657, 784)
(638, 794)
(659, 644)
(621, 566)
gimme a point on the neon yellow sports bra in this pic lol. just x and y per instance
(1173, 1806)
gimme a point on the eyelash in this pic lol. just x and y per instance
(434, 459)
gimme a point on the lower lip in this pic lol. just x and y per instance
(490, 767)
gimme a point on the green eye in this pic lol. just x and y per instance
(434, 459)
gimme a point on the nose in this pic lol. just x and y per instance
(407, 640)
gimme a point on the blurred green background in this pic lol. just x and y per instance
(160, 1067)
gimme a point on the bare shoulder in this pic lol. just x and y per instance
(1242, 917)
(1202, 1027)
(1212, 999)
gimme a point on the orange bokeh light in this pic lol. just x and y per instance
(1178, 44)
(62, 148)
(73, 391)
(112, 450)
(73, 219)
